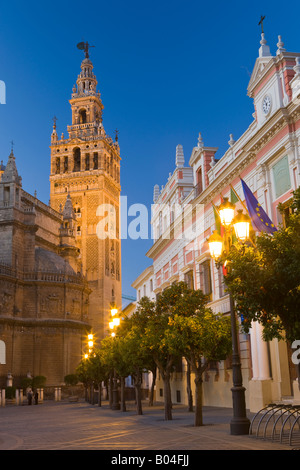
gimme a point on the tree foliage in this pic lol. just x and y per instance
(265, 280)
(177, 325)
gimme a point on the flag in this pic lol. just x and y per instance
(217, 221)
(259, 218)
(233, 197)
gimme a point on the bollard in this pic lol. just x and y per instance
(3, 397)
(21, 396)
(17, 397)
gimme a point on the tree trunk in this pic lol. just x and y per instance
(92, 393)
(199, 403)
(167, 396)
(123, 403)
(99, 393)
(110, 390)
(138, 393)
(151, 396)
(189, 388)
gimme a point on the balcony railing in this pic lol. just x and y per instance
(48, 276)
(198, 189)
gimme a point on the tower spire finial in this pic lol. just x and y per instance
(264, 50)
(262, 23)
(84, 46)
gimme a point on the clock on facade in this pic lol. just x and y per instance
(266, 104)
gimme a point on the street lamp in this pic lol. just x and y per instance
(115, 321)
(90, 344)
(218, 245)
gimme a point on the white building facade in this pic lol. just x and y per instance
(267, 158)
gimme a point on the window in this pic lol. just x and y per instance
(281, 175)
(6, 195)
(57, 168)
(87, 162)
(189, 279)
(165, 223)
(151, 285)
(82, 116)
(205, 277)
(77, 159)
(199, 185)
(284, 211)
(95, 161)
(66, 164)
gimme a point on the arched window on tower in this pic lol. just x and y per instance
(87, 161)
(95, 160)
(82, 116)
(57, 167)
(66, 164)
(76, 155)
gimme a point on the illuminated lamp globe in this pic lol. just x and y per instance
(241, 223)
(215, 243)
(226, 211)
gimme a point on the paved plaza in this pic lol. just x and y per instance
(82, 426)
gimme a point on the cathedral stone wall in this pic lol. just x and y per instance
(43, 298)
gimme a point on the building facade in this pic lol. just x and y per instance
(267, 158)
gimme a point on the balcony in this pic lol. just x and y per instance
(198, 189)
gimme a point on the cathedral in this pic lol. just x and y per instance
(60, 264)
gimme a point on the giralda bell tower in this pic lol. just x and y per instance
(86, 165)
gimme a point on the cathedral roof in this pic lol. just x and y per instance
(48, 261)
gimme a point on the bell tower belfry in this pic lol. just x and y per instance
(85, 166)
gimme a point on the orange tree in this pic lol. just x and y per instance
(137, 358)
(201, 338)
(265, 281)
(179, 324)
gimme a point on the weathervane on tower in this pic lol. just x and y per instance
(84, 46)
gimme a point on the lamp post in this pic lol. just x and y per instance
(218, 245)
(115, 322)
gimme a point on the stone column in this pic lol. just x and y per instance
(260, 384)
(3, 397)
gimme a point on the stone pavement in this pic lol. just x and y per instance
(82, 426)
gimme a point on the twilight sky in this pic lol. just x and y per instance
(166, 71)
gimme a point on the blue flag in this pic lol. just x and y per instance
(259, 218)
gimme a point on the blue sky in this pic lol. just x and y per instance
(166, 71)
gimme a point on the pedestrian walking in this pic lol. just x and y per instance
(36, 397)
(29, 397)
